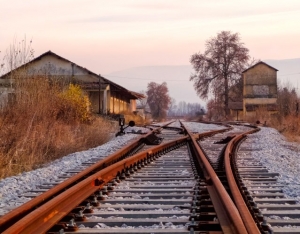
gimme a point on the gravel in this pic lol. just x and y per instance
(200, 127)
(13, 187)
(276, 154)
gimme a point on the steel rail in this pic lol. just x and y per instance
(44, 217)
(246, 216)
(198, 136)
(42, 198)
(228, 215)
(13, 216)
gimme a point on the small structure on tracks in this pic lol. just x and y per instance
(122, 124)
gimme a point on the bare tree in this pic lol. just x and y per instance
(288, 101)
(182, 108)
(16, 55)
(158, 99)
(185, 109)
(214, 110)
(172, 107)
(143, 101)
(220, 66)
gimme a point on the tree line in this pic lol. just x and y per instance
(185, 109)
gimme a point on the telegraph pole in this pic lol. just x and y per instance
(99, 94)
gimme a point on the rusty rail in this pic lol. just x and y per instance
(228, 215)
(246, 216)
(16, 214)
(11, 220)
(199, 136)
(44, 217)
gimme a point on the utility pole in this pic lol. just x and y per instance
(99, 94)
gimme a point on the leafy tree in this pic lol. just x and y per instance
(219, 67)
(158, 99)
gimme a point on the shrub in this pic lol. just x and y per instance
(74, 104)
(43, 122)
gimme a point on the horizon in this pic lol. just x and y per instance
(177, 77)
(111, 36)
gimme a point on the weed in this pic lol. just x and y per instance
(44, 121)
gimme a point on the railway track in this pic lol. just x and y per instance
(184, 185)
(65, 180)
(265, 193)
(155, 199)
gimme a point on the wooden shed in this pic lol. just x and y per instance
(105, 95)
(259, 88)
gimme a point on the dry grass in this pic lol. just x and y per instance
(39, 126)
(286, 120)
(262, 115)
(289, 125)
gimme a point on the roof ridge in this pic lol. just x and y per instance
(259, 62)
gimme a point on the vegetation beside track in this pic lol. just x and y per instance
(46, 120)
(288, 125)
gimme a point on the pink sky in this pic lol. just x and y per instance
(111, 35)
(107, 36)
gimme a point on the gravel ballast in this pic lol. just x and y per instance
(276, 154)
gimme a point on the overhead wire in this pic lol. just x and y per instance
(136, 78)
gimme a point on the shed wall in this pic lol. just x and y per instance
(260, 86)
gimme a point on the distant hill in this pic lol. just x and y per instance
(288, 70)
(177, 78)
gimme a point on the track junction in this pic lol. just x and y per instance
(189, 183)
